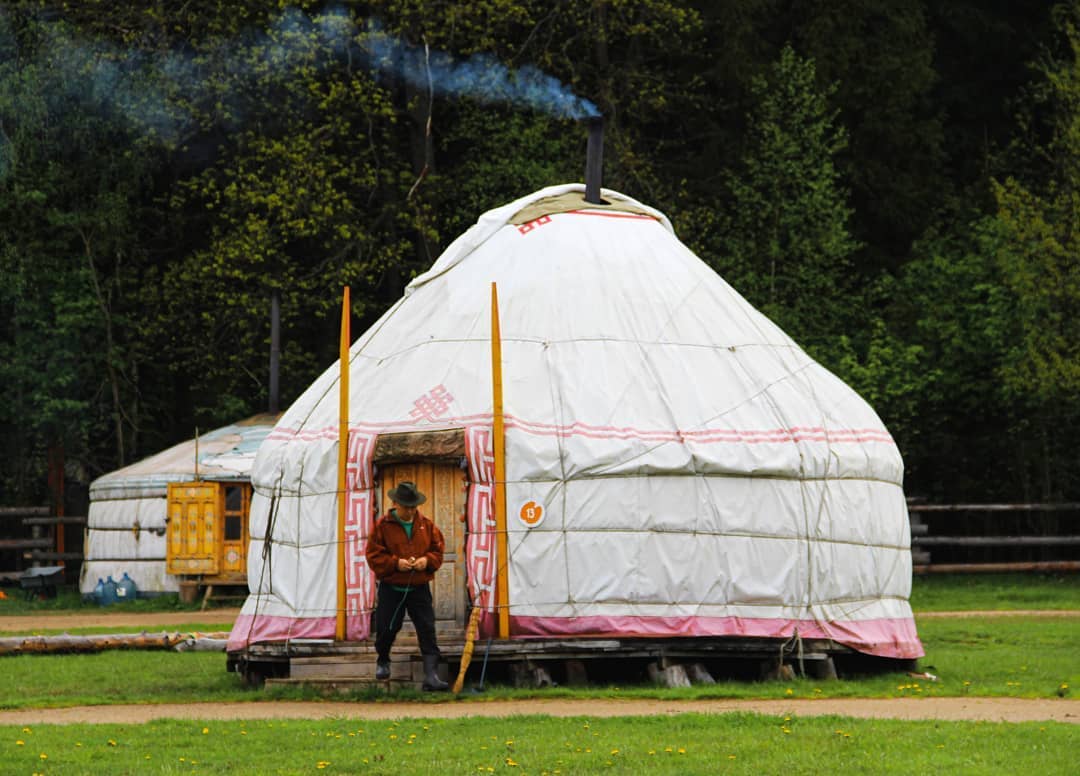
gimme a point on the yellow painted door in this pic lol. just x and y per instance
(444, 486)
(194, 532)
(235, 535)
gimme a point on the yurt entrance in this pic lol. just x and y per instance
(428, 460)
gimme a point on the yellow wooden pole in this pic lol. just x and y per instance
(343, 457)
(502, 589)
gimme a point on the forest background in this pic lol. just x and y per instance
(896, 184)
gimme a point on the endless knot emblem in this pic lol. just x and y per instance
(432, 404)
(526, 228)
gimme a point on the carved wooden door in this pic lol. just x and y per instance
(444, 486)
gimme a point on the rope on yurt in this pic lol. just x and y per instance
(794, 645)
(266, 556)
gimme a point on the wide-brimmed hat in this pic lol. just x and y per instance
(406, 494)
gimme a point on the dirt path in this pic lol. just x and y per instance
(146, 620)
(986, 709)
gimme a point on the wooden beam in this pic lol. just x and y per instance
(61, 520)
(997, 568)
(502, 593)
(25, 544)
(413, 445)
(343, 458)
(24, 511)
(50, 555)
(1064, 507)
(997, 541)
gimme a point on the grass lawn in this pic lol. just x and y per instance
(70, 601)
(682, 744)
(1008, 656)
(987, 592)
(982, 656)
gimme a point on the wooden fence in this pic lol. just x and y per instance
(32, 535)
(977, 538)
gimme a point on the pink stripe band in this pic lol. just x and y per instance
(716, 435)
(885, 637)
(252, 629)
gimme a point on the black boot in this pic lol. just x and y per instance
(382, 669)
(431, 674)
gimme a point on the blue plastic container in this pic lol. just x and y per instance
(108, 593)
(125, 588)
(99, 592)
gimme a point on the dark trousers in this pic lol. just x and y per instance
(390, 614)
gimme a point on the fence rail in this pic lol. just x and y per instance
(972, 530)
(45, 541)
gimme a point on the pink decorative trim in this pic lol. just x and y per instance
(256, 628)
(634, 216)
(359, 520)
(480, 549)
(699, 436)
(885, 637)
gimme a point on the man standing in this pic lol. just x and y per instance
(405, 550)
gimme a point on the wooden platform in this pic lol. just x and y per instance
(534, 662)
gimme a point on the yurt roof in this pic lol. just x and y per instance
(224, 454)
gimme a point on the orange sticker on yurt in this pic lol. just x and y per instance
(531, 514)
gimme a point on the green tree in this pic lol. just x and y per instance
(786, 245)
(74, 187)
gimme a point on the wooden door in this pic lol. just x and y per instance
(444, 486)
(194, 529)
(234, 543)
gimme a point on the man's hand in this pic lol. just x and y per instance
(405, 564)
(420, 563)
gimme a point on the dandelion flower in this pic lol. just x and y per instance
(510, 762)
(43, 756)
(206, 731)
(20, 743)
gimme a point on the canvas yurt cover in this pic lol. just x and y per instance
(126, 524)
(676, 465)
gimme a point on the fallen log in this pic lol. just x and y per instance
(65, 642)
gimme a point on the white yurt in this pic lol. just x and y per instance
(675, 465)
(126, 522)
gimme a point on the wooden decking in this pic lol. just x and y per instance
(534, 662)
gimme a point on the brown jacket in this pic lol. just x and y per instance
(389, 542)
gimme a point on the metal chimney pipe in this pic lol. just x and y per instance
(594, 161)
(275, 349)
